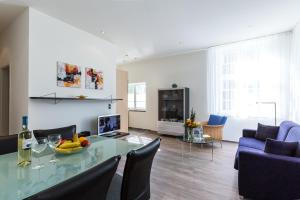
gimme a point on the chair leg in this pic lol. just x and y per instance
(221, 143)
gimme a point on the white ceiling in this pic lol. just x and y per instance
(151, 28)
(8, 13)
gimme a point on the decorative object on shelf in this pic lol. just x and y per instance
(81, 97)
(174, 85)
(93, 79)
(189, 125)
(68, 75)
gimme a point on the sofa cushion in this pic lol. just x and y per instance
(244, 148)
(281, 147)
(285, 127)
(252, 143)
(293, 135)
(263, 132)
(297, 154)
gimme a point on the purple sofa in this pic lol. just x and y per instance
(268, 176)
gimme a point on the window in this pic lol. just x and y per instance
(137, 96)
(244, 73)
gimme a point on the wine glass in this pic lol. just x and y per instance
(54, 141)
(38, 146)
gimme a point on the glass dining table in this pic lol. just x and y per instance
(22, 182)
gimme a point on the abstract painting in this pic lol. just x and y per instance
(93, 79)
(68, 75)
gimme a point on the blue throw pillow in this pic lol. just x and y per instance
(215, 120)
(281, 148)
(263, 132)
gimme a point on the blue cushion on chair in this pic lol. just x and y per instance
(223, 121)
(216, 120)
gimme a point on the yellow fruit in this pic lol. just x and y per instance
(68, 151)
(75, 138)
(68, 145)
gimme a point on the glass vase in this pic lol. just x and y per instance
(190, 134)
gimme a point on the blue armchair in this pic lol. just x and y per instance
(214, 127)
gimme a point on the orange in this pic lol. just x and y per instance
(81, 139)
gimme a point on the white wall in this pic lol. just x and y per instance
(14, 52)
(187, 70)
(51, 40)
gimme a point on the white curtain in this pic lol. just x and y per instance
(295, 76)
(244, 73)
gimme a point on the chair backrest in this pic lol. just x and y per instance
(66, 132)
(93, 184)
(8, 144)
(217, 120)
(136, 176)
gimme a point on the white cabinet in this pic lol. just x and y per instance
(170, 128)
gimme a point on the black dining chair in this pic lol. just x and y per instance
(135, 182)
(92, 184)
(65, 132)
(8, 144)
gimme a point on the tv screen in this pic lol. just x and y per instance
(108, 123)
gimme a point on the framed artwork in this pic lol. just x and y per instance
(93, 79)
(68, 75)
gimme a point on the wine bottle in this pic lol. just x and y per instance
(24, 144)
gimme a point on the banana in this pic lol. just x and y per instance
(75, 138)
(68, 145)
(68, 151)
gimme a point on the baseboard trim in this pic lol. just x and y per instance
(155, 132)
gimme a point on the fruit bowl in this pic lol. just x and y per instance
(69, 151)
(73, 146)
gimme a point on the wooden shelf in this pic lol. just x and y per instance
(58, 99)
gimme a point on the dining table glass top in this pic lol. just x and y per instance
(22, 182)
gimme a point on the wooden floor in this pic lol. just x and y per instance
(185, 172)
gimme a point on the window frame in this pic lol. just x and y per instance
(135, 109)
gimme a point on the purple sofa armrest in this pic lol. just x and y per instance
(268, 176)
(249, 133)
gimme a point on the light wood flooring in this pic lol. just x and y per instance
(182, 171)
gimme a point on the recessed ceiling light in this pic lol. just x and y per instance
(102, 32)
